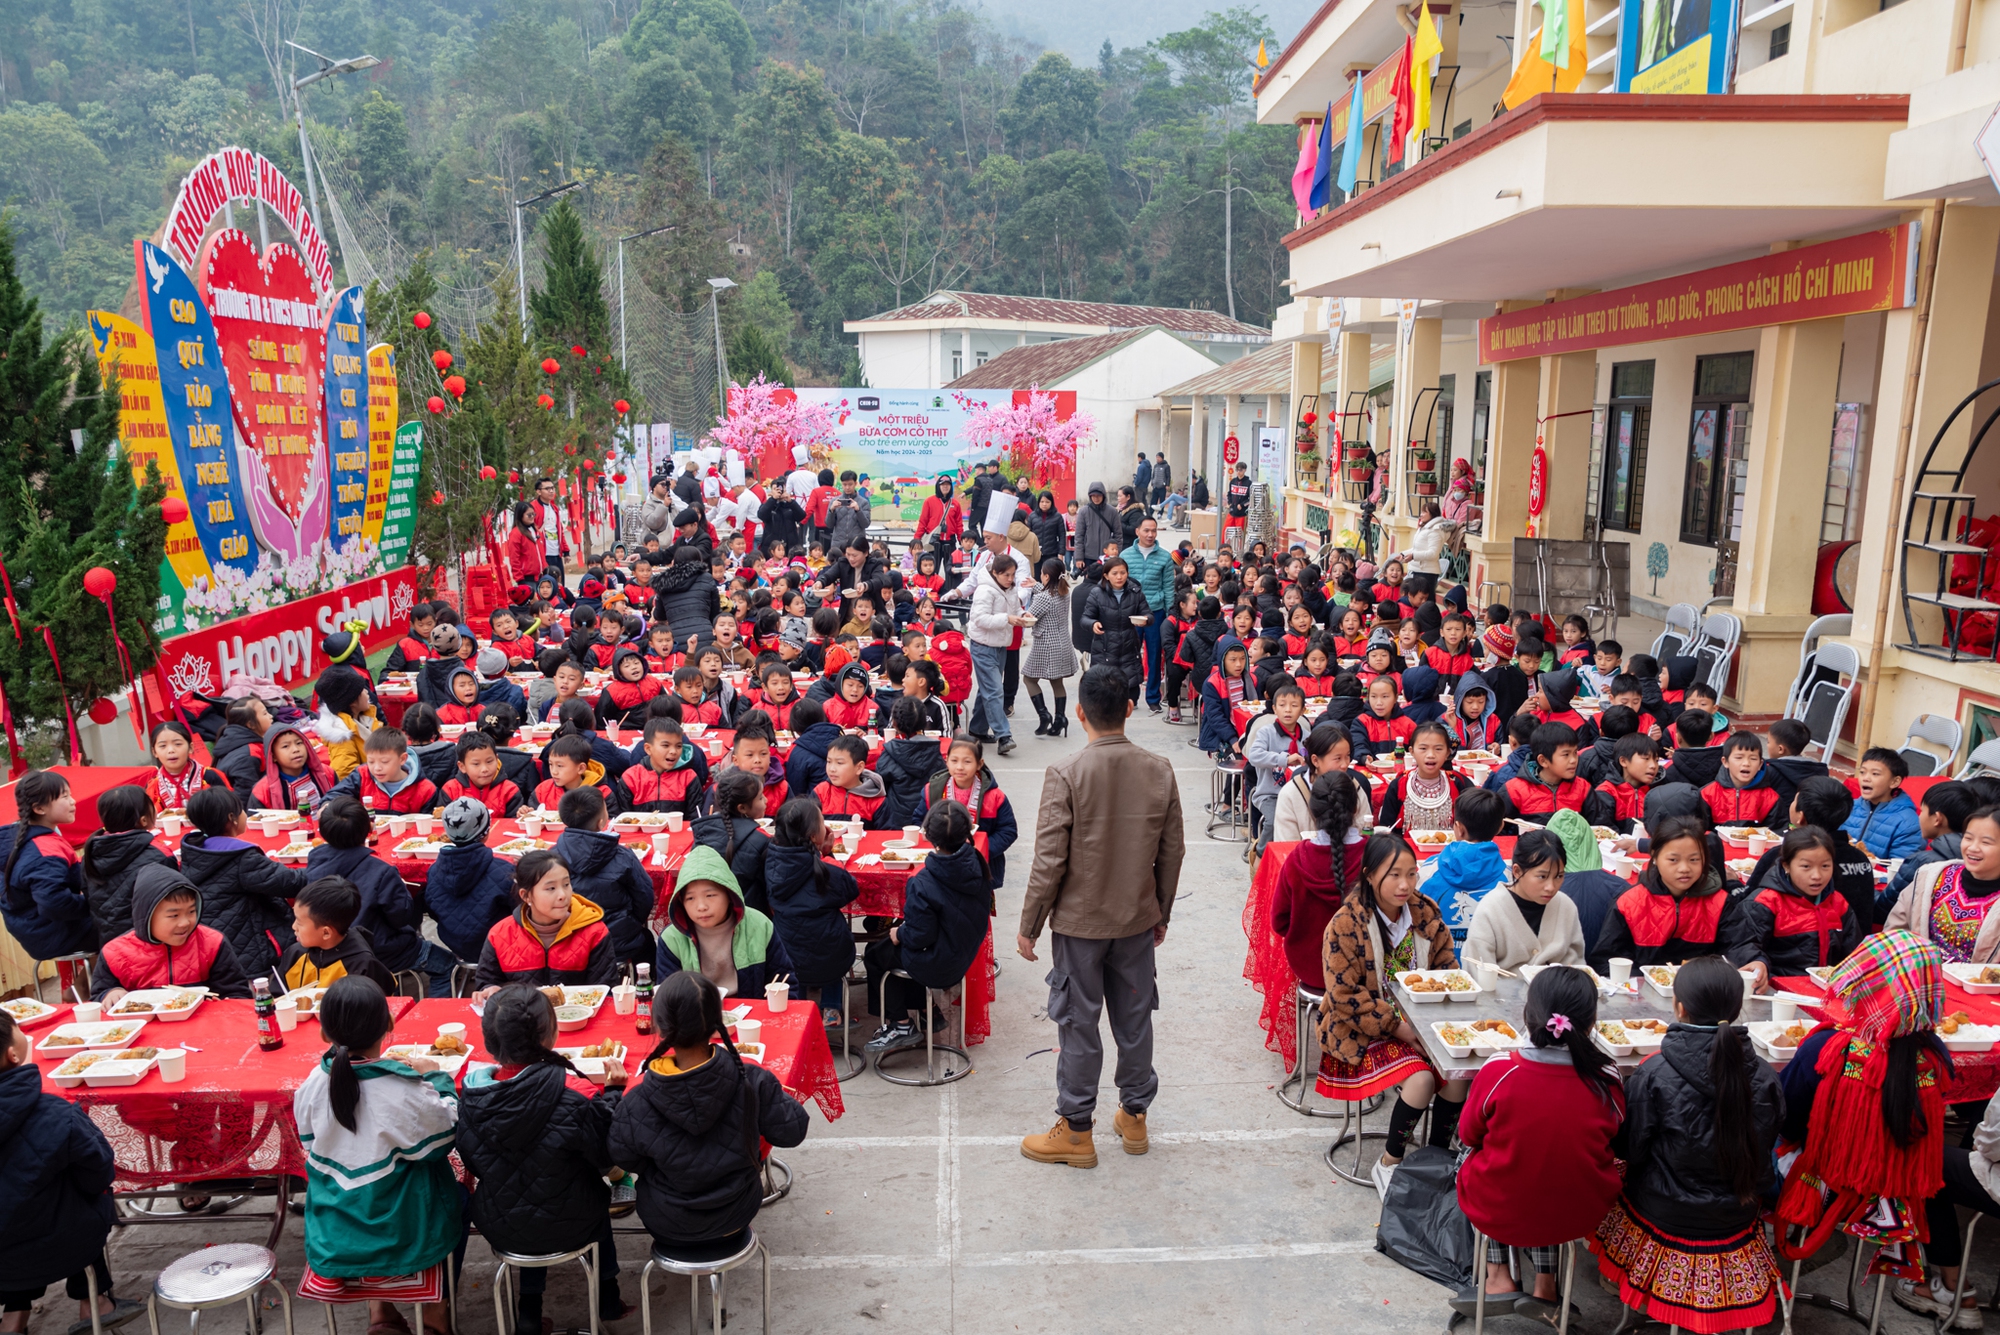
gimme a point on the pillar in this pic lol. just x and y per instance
(1304, 383)
(1198, 445)
(1351, 389)
(1568, 388)
(1791, 432)
(1510, 442)
(1416, 371)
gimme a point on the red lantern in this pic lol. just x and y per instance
(103, 712)
(437, 498)
(587, 465)
(422, 319)
(434, 403)
(99, 582)
(514, 475)
(441, 359)
(545, 401)
(455, 386)
(550, 365)
(622, 407)
(174, 510)
(577, 349)
(618, 478)
(487, 473)
(569, 449)
(1308, 418)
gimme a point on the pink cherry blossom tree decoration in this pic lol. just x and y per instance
(766, 417)
(1029, 433)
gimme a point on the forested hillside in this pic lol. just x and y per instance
(834, 158)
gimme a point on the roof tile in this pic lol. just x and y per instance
(1049, 310)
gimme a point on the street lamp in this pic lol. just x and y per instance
(328, 67)
(636, 236)
(520, 257)
(716, 287)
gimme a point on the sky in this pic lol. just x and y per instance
(1078, 30)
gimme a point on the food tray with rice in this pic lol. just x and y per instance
(594, 1059)
(170, 1004)
(1430, 986)
(89, 1036)
(1978, 979)
(27, 1012)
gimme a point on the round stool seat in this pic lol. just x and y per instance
(215, 1275)
(541, 1260)
(706, 1256)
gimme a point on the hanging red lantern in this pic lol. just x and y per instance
(487, 473)
(422, 319)
(577, 349)
(550, 365)
(618, 478)
(103, 712)
(514, 476)
(455, 386)
(434, 403)
(174, 510)
(622, 407)
(99, 582)
(441, 359)
(437, 498)
(587, 465)
(1308, 418)
(569, 449)
(545, 400)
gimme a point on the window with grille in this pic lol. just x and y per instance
(1627, 423)
(1716, 459)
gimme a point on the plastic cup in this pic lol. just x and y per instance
(849, 843)
(170, 824)
(422, 822)
(913, 834)
(273, 826)
(1478, 774)
(398, 826)
(1784, 1007)
(287, 1011)
(624, 999)
(749, 1031)
(173, 1065)
(87, 1012)
(777, 996)
(1621, 970)
(661, 843)
(1749, 981)
(453, 1030)
(1487, 974)
(531, 826)
(674, 820)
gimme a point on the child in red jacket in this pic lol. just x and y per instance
(1743, 793)
(1541, 1123)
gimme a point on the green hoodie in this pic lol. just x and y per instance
(752, 940)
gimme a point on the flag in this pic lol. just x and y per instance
(1404, 115)
(1350, 155)
(1538, 75)
(1263, 59)
(1427, 48)
(1322, 186)
(1302, 175)
(1555, 32)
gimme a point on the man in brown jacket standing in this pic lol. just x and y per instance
(1108, 849)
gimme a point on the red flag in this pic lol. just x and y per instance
(1405, 95)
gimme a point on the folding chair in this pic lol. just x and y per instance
(1985, 759)
(1937, 730)
(1822, 627)
(1823, 707)
(1683, 622)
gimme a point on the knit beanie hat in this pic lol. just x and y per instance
(1499, 641)
(466, 821)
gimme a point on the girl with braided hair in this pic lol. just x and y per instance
(535, 1133)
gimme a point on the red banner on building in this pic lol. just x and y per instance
(283, 643)
(1874, 271)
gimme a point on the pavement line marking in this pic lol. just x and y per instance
(1158, 1137)
(943, 1141)
(1250, 1251)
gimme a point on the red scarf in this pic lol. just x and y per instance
(174, 793)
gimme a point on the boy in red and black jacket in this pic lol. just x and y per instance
(1557, 689)
(1451, 656)
(1621, 802)
(1743, 793)
(508, 639)
(1547, 783)
(851, 788)
(415, 645)
(666, 780)
(695, 707)
(571, 765)
(391, 782)
(479, 777)
(1624, 689)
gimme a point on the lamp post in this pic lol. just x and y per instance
(636, 236)
(716, 287)
(328, 67)
(520, 256)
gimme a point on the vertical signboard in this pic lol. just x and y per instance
(381, 436)
(399, 518)
(347, 414)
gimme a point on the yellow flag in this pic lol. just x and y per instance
(1425, 50)
(1537, 75)
(1263, 60)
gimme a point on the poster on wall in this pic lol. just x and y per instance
(1271, 455)
(1676, 46)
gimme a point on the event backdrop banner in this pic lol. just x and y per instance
(252, 386)
(282, 643)
(905, 433)
(1676, 46)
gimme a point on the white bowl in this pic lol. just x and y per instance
(571, 1018)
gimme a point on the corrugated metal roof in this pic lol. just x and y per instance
(1269, 371)
(1046, 364)
(949, 305)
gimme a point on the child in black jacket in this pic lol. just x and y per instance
(947, 911)
(244, 892)
(539, 1147)
(115, 855)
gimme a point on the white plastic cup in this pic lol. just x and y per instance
(273, 826)
(87, 1012)
(749, 1031)
(170, 824)
(1621, 970)
(661, 843)
(287, 1011)
(1784, 1007)
(1487, 973)
(422, 822)
(451, 1031)
(674, 820)
(1749, 982)
(173, 1065)
(850, 842)
(624, 999)
(777, 996)
(531, 826)
(398, 826)
(1478, 774)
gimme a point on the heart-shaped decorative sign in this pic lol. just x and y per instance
(273, 339)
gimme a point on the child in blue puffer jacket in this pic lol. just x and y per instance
(468, 889)
(1884, 822)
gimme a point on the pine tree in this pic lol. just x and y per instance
(570, 308)
(68, 502)
(752, 353)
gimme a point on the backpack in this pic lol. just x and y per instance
(954, 660)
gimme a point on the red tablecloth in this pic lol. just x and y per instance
(231, 1116)
(795, 1047)
(1976, 1075)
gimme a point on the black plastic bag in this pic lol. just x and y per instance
(1422, 1227)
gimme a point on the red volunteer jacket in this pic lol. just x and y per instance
(502, 797)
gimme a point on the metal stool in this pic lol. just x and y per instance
(215, 1277)
(1479, 1286)
(1229, 801)
(1351, 1116)
(1305, 1007)
(450, 1303)
(699, 1261)
(776, 1176)
(68, 975)
(1938, 1324)
(412, 983)
(462, 975)
(1849, 1308)
(849, 1063)
(504, 1306)
(932, 1075)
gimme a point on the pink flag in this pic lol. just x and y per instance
(1302, 175)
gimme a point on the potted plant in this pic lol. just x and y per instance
(1427, 486)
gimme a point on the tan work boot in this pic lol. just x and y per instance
(1059, 1144)
(1131, 1129)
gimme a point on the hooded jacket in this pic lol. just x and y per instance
(906, 765)
(992, 816)
(1598, 762)
(1096, 524)
(941, 519)
(695, 1140)
(1755, 803)
(1681, 673)
(1196, 650)
(549, 793)
(947, 912)
(1117, 644)
(245, 896)
(307, 966)
(1788, 772)
(436, 761)
(1649, 926)
(678, 788)
(580, 953)
(745, 854)
(806, 904)
(610, 875)
(755, 951)
(1529, 794)
(55, 1184)
(1559, 689)
(805, 767)
(239, 758)
(1218, 727)
(450, 709)
(539, 1151)
(1309, 893)
(624, 702)
(687, 599)
(434, 680)
(467, 891)
(139, 959)
(1462, 874)
(865, 800)
(312, 785)
(1672, 1176)
(111, 862)
(1776, 923)
(845, 713)
(408, 792)
(1421, 684)
(1051, 533)
(1476, 734)
(1695, 766)
(390, 914)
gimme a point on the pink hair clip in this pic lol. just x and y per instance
(1559, 1024)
